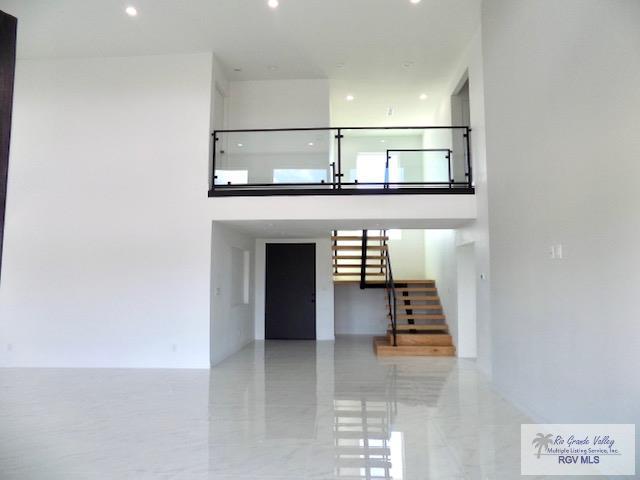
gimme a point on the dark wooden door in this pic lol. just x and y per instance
(8, 26)
(290, 297)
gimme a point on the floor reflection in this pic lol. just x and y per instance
(276, 410)
(369, 444)
(364, 443)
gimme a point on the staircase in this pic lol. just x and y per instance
(417, 324)
(348, 258)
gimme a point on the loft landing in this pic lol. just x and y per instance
(342, 161)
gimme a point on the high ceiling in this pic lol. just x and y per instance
(390, 46)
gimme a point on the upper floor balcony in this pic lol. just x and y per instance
(342, 161)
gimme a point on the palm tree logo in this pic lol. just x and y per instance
(542, 441)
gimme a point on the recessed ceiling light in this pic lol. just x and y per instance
(272, 68)
(382, 141)
(131, 11)
(350, 98)
(423, 96)
(273, 3)
(311, 144)
(241, 145)
(414, 1)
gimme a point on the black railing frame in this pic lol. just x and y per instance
(336, 185)
(388, 284)
(448, 151)
(363, 260)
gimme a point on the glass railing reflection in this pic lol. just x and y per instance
(365, 446)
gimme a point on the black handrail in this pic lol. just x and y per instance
(309, 129)
(391, 290)
(389, 283)
(363, 260)
(336, 185)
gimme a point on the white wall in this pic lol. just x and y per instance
(563, 109)
(360, 312)
(407, 255)
(477, 232)
(279, 104)
(396, 211)
(440, 265)
(324, 286)
(276, 104)
(464, 330)
(232, 290)
(107, 254)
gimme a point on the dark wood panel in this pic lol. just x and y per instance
(8, 27)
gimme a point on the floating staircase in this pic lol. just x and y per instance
(348, 258)
(421, 327)
(417, 324)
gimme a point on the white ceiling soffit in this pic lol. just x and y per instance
(323, 228)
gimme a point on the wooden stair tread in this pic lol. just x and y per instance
(356, 274)
(415, 289)
(406, 303)
(358, 247)
(356, 238)
(359, 266)
(370, 277)
(404, 327)
(384, 349)
(357, 257)
(411, 282)
(420, 316)
(421, 338)
(353, 281)
(418, 307)
(418, 298)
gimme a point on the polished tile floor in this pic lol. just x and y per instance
(276, 410)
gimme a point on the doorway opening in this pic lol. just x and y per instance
(466, 330)
(460, 115)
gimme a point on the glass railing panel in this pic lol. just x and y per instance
(278, 158)
(420, 166)
(364, 156)
(457, 142)
(352, 159)
(403, 157)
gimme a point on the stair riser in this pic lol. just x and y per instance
(383, 349)
(421, 340)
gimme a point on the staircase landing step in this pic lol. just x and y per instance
(383, 349)
(426, 339)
